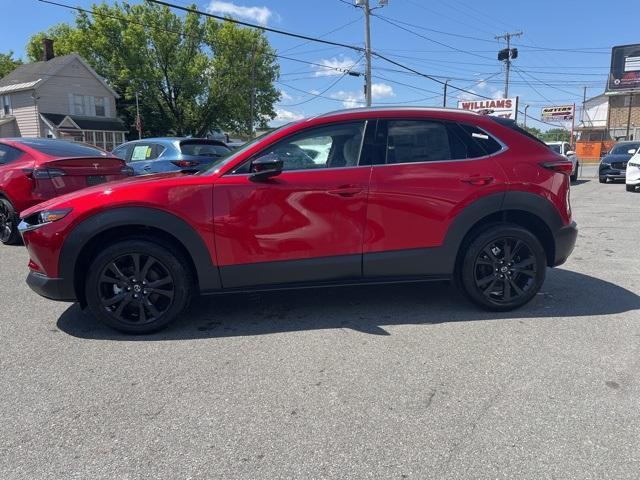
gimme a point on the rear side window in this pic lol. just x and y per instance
(8, 154)
(487, 144)
(145, 151)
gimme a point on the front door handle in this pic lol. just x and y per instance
(478, 180)
(346, 191)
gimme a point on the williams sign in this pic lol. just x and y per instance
(502, 107)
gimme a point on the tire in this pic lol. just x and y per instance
(631, 188)
(574, 175)
(9, 234)
(511, 286)
(603, 180)
(138, 299)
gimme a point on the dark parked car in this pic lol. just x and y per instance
(403, 194)
(33, 170)
(613, 165)
(166, 154)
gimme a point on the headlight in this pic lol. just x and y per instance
(44, 217)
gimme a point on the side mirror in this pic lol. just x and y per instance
(266, 166)
(570, 152)
(631, 151)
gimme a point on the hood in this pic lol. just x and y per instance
(619, 157)
(103, 188)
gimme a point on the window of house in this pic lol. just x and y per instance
(78, 105)
(5, 103)
(108, 141)
(100, 108)
(99, 139)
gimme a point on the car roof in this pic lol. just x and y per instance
(391, 108)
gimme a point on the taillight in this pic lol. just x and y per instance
(42, 173)
(561, 166)
(185, 163)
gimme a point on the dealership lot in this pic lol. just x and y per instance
(404, 381)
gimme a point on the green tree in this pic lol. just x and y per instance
(192, 73)
(556, 135)
(8, 63)
(536, 132)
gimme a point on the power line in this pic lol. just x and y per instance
(253, 25)
(182, 34)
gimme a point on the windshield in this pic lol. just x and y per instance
(205, 149)
(556, 148)
(623, 148)
(215, 166)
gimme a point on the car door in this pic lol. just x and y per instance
(305, 224)
(428, 172)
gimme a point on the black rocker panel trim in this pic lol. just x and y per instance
(343, 267)
(207, 272)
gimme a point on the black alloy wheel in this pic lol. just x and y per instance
(137, 286)
(9, 234)
(136, 289)
(503, 268)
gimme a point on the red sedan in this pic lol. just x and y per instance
(33, 170)
(357, 196)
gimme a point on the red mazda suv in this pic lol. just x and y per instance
(36, 169)
(350, 197)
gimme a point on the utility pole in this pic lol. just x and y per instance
(368, 81)
(526, 107)
(507, 55)
(138, 119)
(367, 51)
(444, 97)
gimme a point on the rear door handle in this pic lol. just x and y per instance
(478, 180)
(346, 191)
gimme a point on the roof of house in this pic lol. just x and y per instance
(88, 123)
(30, 75)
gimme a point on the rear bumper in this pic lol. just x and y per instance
(51, 288)
(565, 240)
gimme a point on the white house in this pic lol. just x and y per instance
(60, 97)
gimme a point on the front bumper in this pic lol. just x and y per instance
(565, 240)
(51, 288)
(612, 173)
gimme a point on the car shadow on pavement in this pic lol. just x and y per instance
(366, 309)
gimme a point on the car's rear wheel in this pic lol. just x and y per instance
(137, 286)
(631, 188)
(503, 267)
(9, 234)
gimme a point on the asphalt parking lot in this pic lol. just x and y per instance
(384, 382)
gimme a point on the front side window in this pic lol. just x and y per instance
(331, 146)
(100, 110)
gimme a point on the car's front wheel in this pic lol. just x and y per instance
(574, 175)
(631, 188)
(503, 267)
(137, 286)
(603, 179)
(9, 234)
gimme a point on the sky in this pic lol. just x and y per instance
(564, 47)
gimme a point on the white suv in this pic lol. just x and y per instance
(564, 148)
(633, 172)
